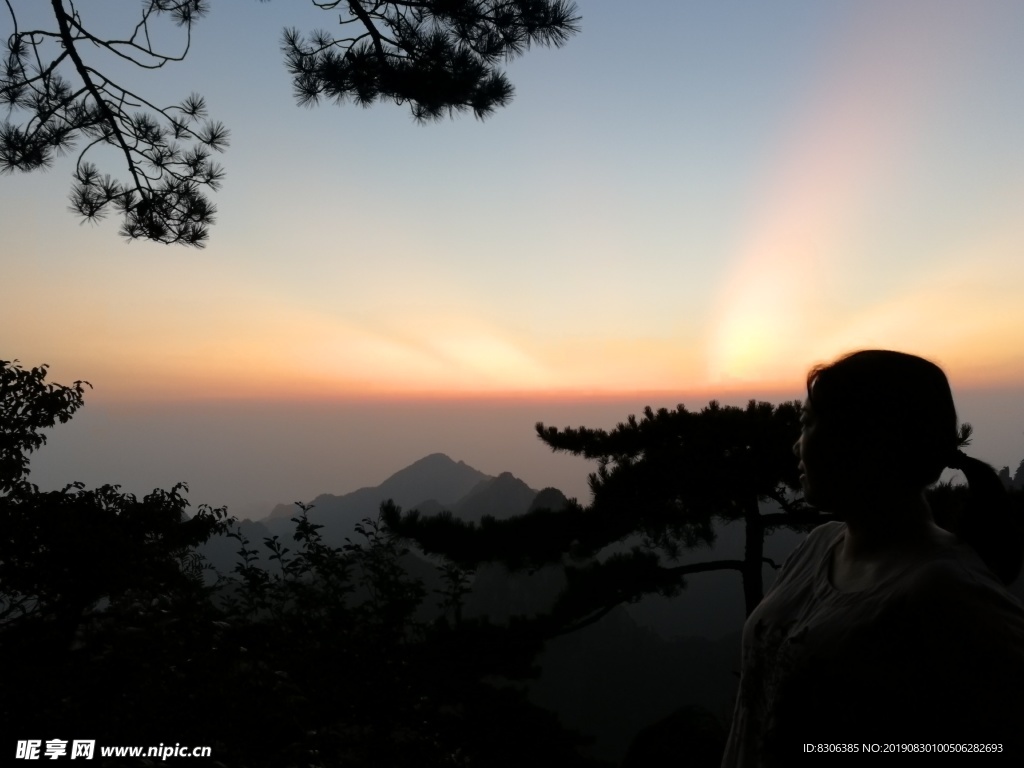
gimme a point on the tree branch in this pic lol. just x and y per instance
(364, 17)
(592, 619)
(714, 565)
(84, 73)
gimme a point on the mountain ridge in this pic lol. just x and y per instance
(435, 477)
(431, 484)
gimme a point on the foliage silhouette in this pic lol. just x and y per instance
(663, 480)
(58, 79)
(316, 658)
(659, 743)
(28, 405)
(63, 98)
(1017, 481)
(102, 602)
(441, 57)
(321, 655)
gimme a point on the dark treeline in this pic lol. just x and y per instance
(315, 659)
(313, 654)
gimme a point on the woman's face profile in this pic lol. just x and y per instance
(832, 469)
(818, 461)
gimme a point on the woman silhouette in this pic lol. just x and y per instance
(883, 627)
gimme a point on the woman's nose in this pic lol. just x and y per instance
(796, 449)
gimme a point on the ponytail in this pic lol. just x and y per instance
(990, 524)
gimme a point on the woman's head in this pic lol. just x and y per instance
(888, 415)
(882, 421)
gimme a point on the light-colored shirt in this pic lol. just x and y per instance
(933, 652)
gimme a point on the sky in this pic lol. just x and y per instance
(697, 200)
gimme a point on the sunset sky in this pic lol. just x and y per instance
(692, 200)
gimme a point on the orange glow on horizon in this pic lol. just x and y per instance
(325, 392)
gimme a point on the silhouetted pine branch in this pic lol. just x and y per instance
(51, 84)
(62, 94)
(441, 57)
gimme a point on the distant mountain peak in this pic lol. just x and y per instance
(436, 482)
(501, 497)
(437, 457)
(435, 477)
(432, 461)
(440, 470)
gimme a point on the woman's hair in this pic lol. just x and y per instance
(898, 410)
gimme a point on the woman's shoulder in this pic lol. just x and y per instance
(812, 549)
(972, 628)
(952, 566)
(829, 530)
(956, 581)
(821, 539)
